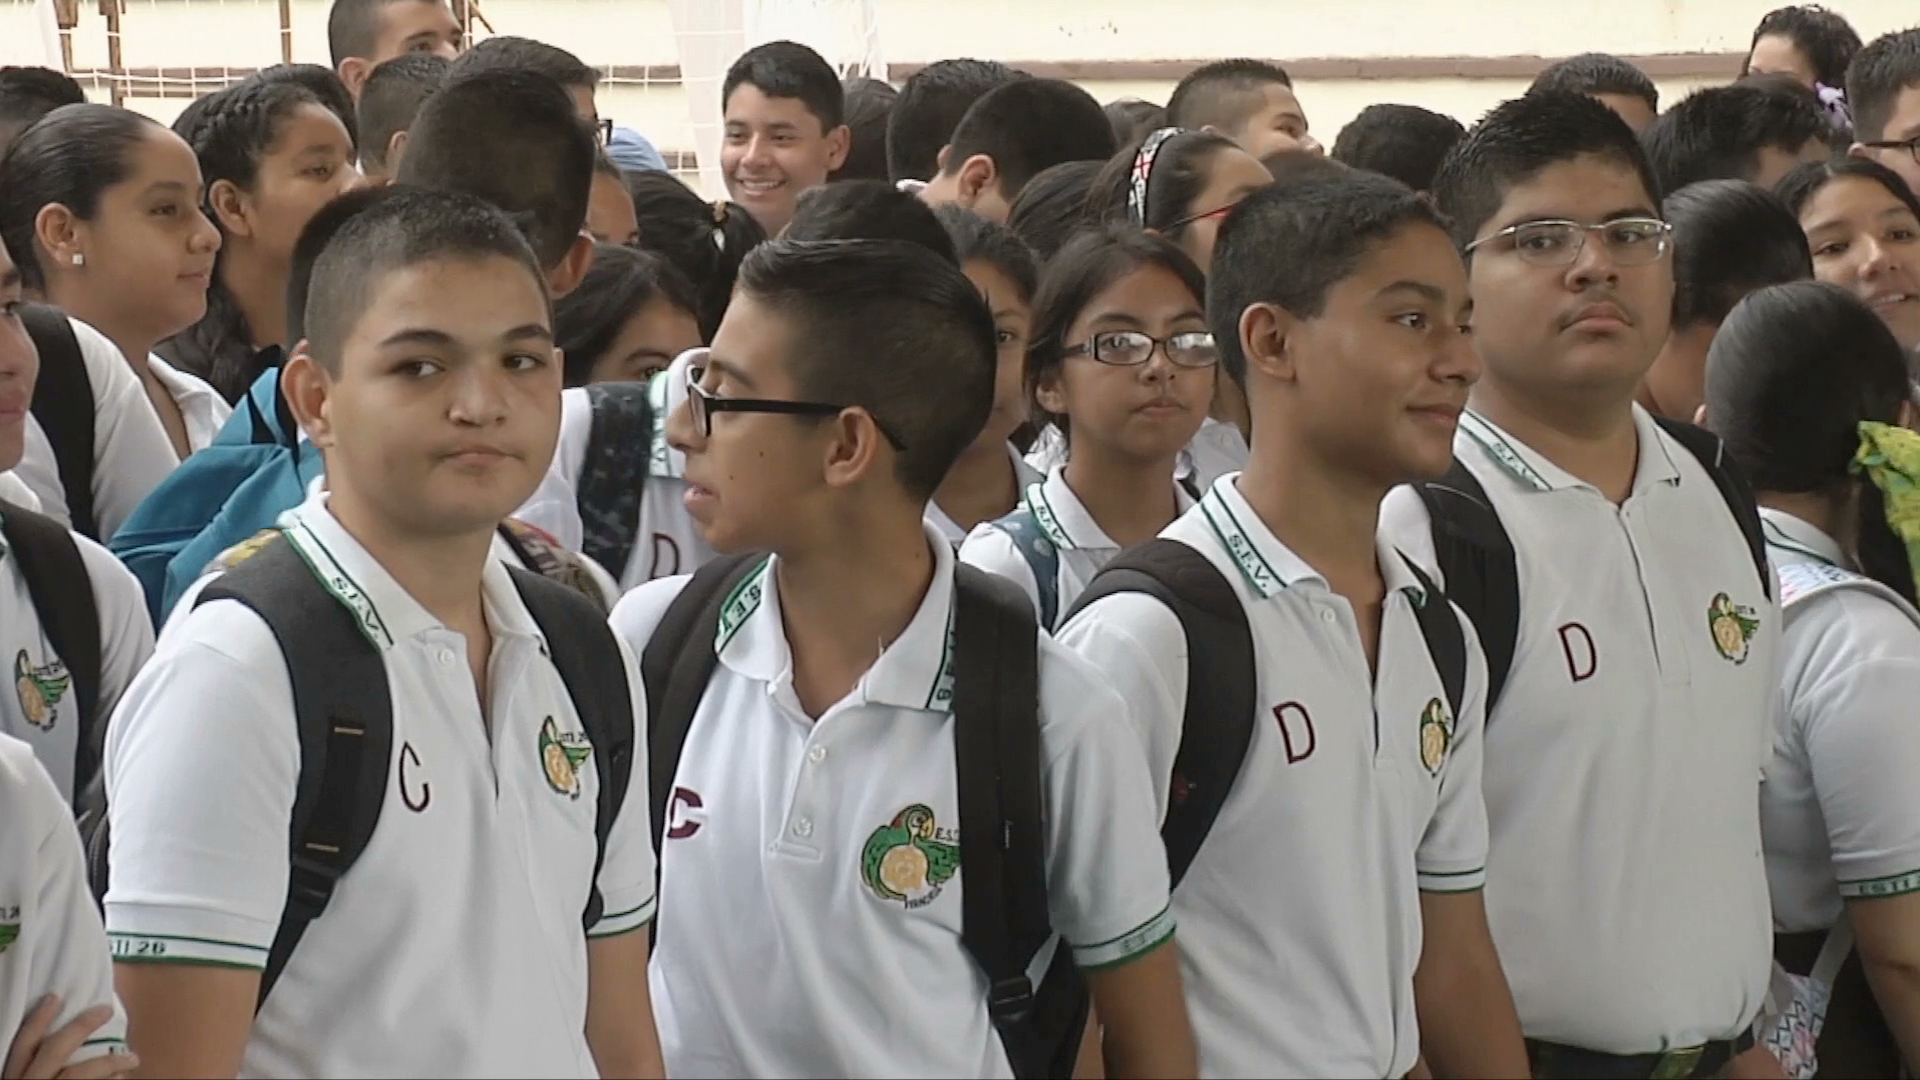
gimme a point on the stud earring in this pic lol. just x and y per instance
(79, 260)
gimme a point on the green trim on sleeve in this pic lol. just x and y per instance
(1881, 887)
(1165, 937)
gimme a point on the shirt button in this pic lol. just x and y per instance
(446, 657)
(1327, 615)
(803, 828)
(817, 755)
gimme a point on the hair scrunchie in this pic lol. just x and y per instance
(1143, 173)
(1889, 456)
(1834, 100)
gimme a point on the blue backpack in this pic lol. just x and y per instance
(252, 472)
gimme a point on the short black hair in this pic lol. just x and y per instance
(1294, 163)
(622, 282)
(869, 105)
(1324, 225)
(71, 157)
(1223, 94)
(412, 227)
(1802, 184)
(788, 69)
(510, 137)
(1029, 125)
(928, 378)
(868, 210)
(324, 85)
(1717, 133)
(1597, 73)
(1133, 119)
(510, 53)
(1730, 237)
(353, 27)
(1179, 174)
(705, 241)
(391, 98)
(930, 106)
(1053, 205)
(1405, 142)
(1825, 37)
(29, 93)
(1518, 139)
(1880, 72)
(314, 239)
(976, 238)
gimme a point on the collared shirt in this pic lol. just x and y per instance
(202, 409)
(454, 946)
(1625, 888)
(1840, 810)
(810, 888)
(1024, 475)
(1215, 450)
(1300, 916)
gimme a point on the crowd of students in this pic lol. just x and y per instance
(1019, 588)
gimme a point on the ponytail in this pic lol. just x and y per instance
(704, 241)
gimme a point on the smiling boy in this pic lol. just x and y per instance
(783, 129)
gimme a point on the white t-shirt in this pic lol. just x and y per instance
(453, 947)
(1840, 808)
(795, 939)
(131, 451)
(50, 936)
(201, 407)
(1299, 917)
(1023, 476)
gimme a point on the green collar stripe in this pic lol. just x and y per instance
(1777, 537)
(1043, 515)
(1253, 565)
(337, 581)
(743, 601)
(940, 695)
(1503, 452)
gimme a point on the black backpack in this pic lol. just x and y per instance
(1222, 683)
(345, 713)
(1004, 914)
(619, 455)
(63, 407)
(1477, 560)
(62, 595)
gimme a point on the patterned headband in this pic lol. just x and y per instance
(1143, 172)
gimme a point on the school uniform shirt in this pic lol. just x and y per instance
(1083, 546)
(15, 490)
(811, 889)
(453, 947)
(1024, 475)
(1839, 810)
(41, 710)
(1214, 451)
(131, 451)
(50, 936)
(1625, 888)
(1300, 916)
(201, 407)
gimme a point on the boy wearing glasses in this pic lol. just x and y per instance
(1333, 906)
(1625, 885)
(1883, 90)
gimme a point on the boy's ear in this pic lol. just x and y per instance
(839, 143)
(1700, 414)
(396, 149)
(307, 387)
(354, 71)
(854, 452)
(978, 175)
(940, 159)
(1266, 337)
(572, 269)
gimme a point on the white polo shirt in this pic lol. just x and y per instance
(202, 409)
(50, 936)
(40, 709)
(453, 947)
(1024, 475)
(1300, 916)
(131, 451)
(1083, 547)
(1626, 887)
(810, 882)
(1839, 810)
(1215, 450)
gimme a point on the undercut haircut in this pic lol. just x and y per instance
(997, 245)
(1030, 125)
(788, 69)
(409, 228)
(1405, 142)
(1730, 238)
(1824, 37)
(510, 137)
(1291, 243)
(930, 106)
(313, 240)
(1224, 94)
(1879, 74)
(29, 93)
(392, 97)
(1718, 133)
(889, 327)
(1597, 73)
(1518, 139)
(525, 54)
(353, 27)
(868, 210)
(869, 104)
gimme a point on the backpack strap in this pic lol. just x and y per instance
(1446, 642)
(63, 406)
(585, 652)
(1734, 488)
(344, 709)
(1042, 557)
(1221, 682)
(614, 479)
(63, 600)
(1476, 558)
(543, 555)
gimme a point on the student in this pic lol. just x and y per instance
(1738, 132)
(318, 80)
(784, 132)
(628, 319)
(1249, 101)
(1122, 364)
(930, 106)
(1863, 225)
(868, 210)
(1883, 94)
(1405, 142)
(390, 100)
(1053, 206)
(1009, 136)
(1625, 743)
(1729, 238)
(1362, 803)
(1608, 79)
(1133, 119)
(103, 210)
(271, 156)
(1805, 42)
(441, 293)
(363, 34)
(869, 106)
(1811, 394)
(509, 53)
(703, 240)
(29, 93)
(836, 496)
(610, 215)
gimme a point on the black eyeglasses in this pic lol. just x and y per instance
(603, 129)
(1131, 348)
(702, 403)
(1911, 146)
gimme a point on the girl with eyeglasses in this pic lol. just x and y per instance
(1123, 366)
(1863, 225)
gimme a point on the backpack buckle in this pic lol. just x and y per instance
(1010, 997)
(309, 886)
